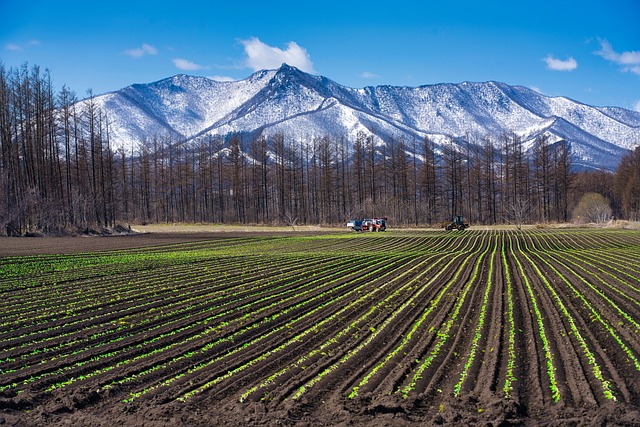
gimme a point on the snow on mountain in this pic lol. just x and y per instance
(180, 105)
(305, 106)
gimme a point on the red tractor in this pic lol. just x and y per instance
(374, 224)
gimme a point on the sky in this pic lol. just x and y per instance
(588, 50)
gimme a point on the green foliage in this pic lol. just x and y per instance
(388, 312)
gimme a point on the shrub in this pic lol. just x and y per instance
(593, 207)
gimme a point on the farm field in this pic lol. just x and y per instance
(500, 327)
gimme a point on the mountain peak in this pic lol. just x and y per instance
(288, 77)
(304, 106)
(286, 68)
(289, 70)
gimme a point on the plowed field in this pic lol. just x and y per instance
(488, 327)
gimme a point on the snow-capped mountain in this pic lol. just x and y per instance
(304, 106)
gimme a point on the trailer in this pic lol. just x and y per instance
(355, 224)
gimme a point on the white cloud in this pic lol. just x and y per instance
(261, 56)
(15, 46)
(145, 49)
(369, 75)
(186, 65)
(222, 78)
(636, 106)
(555, 64)
(630, 61)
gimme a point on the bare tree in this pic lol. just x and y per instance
(627, 184)
(289, 219)
(519, 210)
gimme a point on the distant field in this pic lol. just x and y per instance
(146, 235)
(226, 228)
(281, 327)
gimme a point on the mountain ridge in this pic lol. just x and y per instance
(304, 106)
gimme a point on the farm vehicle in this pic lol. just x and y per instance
(457, 224)
(369, 224)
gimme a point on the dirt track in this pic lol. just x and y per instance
(392, 329)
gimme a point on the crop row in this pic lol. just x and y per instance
(541, 317)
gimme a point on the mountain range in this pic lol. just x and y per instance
(303, 106)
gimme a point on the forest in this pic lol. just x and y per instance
(60, 174)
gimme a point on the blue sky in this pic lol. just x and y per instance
(587, 50)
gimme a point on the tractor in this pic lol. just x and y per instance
(375, 224)
(369, 224)
(457, 224)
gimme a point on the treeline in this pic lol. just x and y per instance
(59, 172)
(57, 167)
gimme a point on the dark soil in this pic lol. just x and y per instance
(120, 344)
